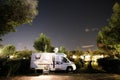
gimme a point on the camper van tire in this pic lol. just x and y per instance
(69, 69)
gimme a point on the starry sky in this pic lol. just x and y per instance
(69, 23)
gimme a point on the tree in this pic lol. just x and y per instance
(108, 38)
(42, 43)
(16, 12)
(1, 45)
(114, 24)
(8, 50)
(25, 54)
(62, 49)
(115, 18)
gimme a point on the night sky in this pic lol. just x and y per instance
(69, 23)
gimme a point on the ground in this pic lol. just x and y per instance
(67, 76)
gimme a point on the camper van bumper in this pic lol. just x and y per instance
(73, 66)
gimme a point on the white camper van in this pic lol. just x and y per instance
(51, 62)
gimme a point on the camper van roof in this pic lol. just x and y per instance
(60, 54)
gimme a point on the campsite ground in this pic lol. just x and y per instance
(66, 76)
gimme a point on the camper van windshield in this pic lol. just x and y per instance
(65, 60)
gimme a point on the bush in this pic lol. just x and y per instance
(24, 67)
(110, 65)
(3, 67)
(13, 67)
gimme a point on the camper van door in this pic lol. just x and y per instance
(65, 63)
(61, 63)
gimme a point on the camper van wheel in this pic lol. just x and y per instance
(69, 69)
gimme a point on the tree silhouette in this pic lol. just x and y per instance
(14, 13)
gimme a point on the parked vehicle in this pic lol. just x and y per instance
(51, 62)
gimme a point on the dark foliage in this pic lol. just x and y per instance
(21, 66)
(3, 68)
(110, 65)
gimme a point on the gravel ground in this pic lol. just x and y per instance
(97, 76)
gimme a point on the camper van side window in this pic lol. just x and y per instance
(37, 57)
(64, 60)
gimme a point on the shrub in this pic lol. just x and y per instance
(3, 66)
(109, 64)
(10, 67)
(24, 67)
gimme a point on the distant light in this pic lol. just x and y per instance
(24, 58)
(95, 57)
(11, 57)
(74, 56)
(87, 30)
(87, 57)
(82, 57)
(102, 56)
